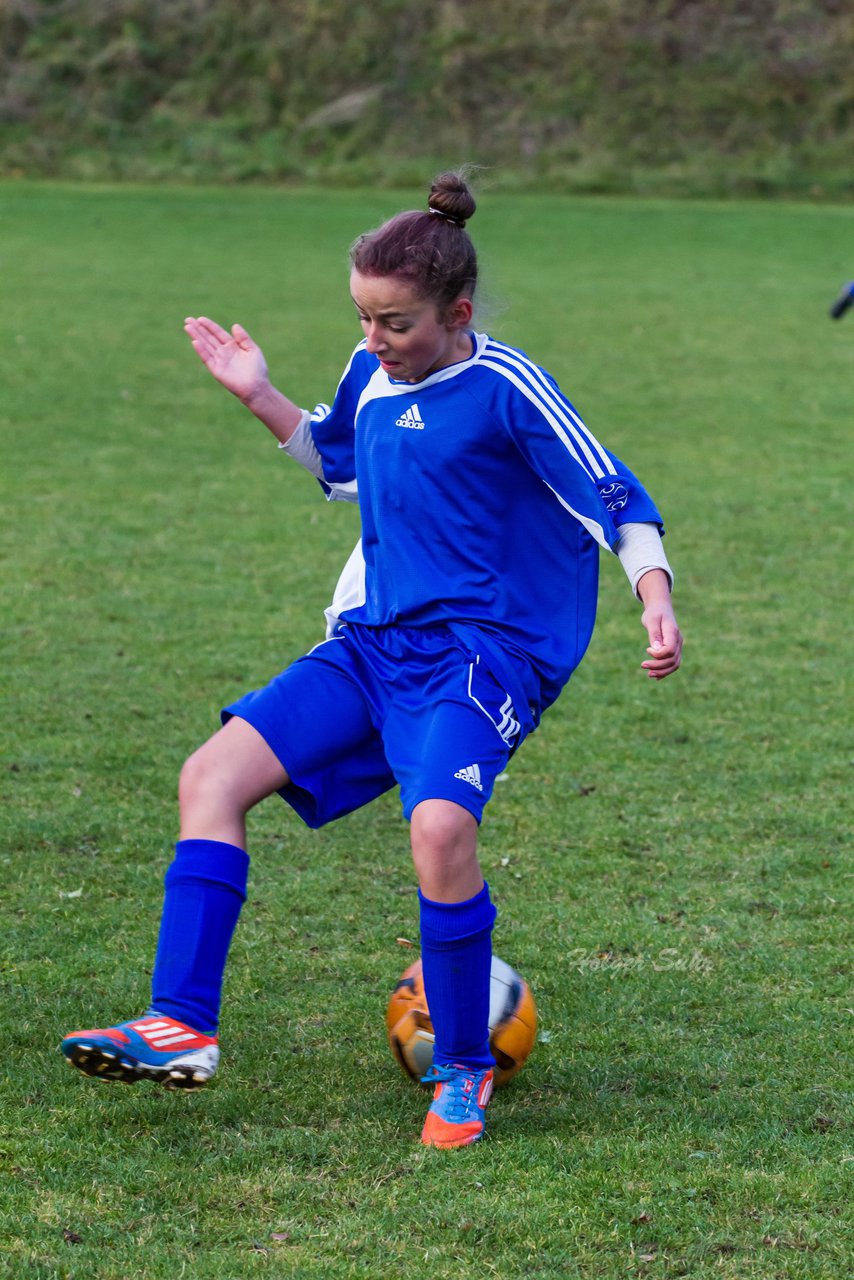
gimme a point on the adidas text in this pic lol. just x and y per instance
(471, 774)
(411, 418)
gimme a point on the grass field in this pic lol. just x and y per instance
(671, 863)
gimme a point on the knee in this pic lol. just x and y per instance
(440, 830)
(444, 849)
(204, 780)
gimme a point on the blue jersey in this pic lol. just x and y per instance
(483, 497)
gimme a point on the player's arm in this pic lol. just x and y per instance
(641, 553)
(238, 364)
(607, 498)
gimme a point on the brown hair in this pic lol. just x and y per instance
(431, 250)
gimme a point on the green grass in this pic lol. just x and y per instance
(670, 863)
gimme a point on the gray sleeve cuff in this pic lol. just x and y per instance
(302, 449)
(639, 550)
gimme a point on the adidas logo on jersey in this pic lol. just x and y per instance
(471, 774)
(411, 418)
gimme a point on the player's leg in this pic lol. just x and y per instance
(447, 755)
(175, 1042)
(205, 886)
(456, 921)
(456, 917)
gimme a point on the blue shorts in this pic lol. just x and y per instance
(377, 706)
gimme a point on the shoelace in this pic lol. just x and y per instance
(459, 1092)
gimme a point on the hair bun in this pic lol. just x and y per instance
(450, 198)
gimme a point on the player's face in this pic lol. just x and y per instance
(406, 332)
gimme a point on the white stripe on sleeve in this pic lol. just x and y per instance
(597, 461)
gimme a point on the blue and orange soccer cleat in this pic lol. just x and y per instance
(458, 1110)
(153, 1047)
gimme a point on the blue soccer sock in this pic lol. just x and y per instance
(456, 954)
(205, 889)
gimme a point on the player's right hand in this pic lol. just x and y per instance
(233, 358)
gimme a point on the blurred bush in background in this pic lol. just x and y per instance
(667, 96)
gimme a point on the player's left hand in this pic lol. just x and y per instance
(665, 640)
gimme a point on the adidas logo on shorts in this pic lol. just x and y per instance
(471, 773)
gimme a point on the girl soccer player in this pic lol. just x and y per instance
(484, 501)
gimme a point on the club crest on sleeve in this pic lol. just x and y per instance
(615, 496)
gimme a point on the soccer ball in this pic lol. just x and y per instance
(512, 1022)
